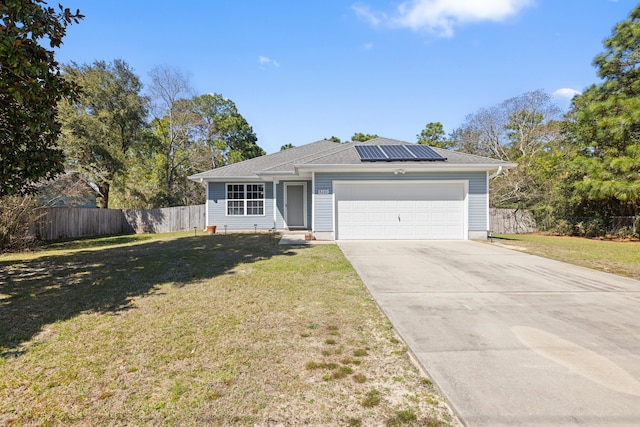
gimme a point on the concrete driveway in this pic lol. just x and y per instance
(511, 338)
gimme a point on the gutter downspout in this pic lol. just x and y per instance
(498, 172)
(275, 206)
(490, 177)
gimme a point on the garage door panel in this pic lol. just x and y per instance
(400, 211)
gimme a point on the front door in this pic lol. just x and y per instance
(294, 205)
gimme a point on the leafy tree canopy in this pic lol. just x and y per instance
(434, 136)
(30, 89)
(103, 123)
(362, 137)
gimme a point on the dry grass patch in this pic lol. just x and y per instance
(176, 330)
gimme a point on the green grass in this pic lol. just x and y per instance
(617, 257)
(194, 330)
(371, 399)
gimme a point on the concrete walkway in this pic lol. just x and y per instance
(510, 338)
(297, 238)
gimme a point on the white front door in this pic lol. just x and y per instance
(416, 210)
(295, 204)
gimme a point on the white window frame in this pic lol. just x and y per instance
(245, 200)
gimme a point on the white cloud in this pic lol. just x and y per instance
(566, 92)
(365, 12)
(367, 46)
(268, 61)
(442, 16)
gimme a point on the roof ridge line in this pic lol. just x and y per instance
(341, 146)
(290, 161)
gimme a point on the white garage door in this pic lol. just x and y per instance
(400, 211)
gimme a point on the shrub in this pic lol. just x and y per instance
(625, 232)
(17, 216)
(564, 228)
(592, 227)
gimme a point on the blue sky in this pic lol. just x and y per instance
(300, 71)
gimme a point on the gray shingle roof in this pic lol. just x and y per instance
(329, 153)
(249, 168)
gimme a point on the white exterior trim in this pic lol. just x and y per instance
(264, 199)
(313, 201)
(407, 167)
(206, 205)
(275, 206)
(487, 203)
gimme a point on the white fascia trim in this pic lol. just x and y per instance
(406, 167)
(206, 204)
(226, 179)
(268, 176)
(272, 175)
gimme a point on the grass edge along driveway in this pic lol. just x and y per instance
(611, 256)
(179, 329)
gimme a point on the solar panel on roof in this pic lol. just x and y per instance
(404, 153)
(423, 152)
(396, 152)
(370, 153)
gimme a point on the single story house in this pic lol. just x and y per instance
(378, 189)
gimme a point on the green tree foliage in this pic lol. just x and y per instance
(604, 129)
(223, 129)
(363, 137)
(30, 89)
(286, 146)
(433, 135)
(103, 123)
(189, 134)
(334, 139)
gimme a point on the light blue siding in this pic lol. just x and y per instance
(324, 200)
(324, 212)
(477, 193)
(217, 208)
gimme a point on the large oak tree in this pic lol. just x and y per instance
(103, 123)
(30, 88)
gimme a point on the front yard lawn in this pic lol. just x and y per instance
(617, 257)
(200, 330)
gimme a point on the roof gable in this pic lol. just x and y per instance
(250, 167)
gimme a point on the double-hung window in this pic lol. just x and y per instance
(245, 199)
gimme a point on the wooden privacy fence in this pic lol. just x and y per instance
(69, 223)
(511, 221)
(166, 220)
